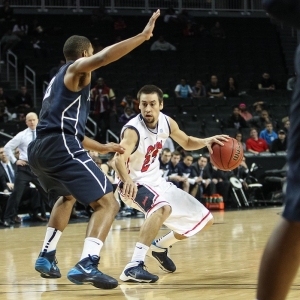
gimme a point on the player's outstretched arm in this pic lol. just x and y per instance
(194, 143)
(93, 145)
(129, 142)
(116, 51)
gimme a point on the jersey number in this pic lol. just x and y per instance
(150, 156)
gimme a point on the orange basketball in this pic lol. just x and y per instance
(227, 157)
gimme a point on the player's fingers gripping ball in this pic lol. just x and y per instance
(227, 157)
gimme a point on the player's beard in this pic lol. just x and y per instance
(150, 122)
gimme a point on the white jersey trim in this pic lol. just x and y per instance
(77, 100)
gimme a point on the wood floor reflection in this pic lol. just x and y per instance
(220, 263)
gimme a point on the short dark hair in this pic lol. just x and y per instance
(74, 47)
(202, 156)
(165, 150)
(151, 89)
(188, 154)
(176, 153)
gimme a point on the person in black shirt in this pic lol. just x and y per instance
(266, 82)
(203, 184)
(164, 162)
(175, 174)
(231, 88)
(279, 144)
(221, 180)
(214, 89)
(236, 120)
(186, 168)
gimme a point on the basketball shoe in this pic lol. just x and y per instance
(161, 256)
(136, 272)
(46, 264)
(86, 272)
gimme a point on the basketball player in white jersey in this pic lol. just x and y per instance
(142, 187)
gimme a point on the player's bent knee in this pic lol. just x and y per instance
(165, 211)
(69, 198)
(108, 202)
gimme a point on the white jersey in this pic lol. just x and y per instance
(143, 163)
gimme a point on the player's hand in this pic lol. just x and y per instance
(111, 147)
(20, 162)
(129, 189)
(10, 185)
(150, 26)
(215, 139)
(199, 179)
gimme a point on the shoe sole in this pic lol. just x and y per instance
(125, 278)
(96, 284)
(45, 273)
(49, 276)
(160, 265)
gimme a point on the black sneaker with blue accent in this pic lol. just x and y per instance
(46, 264)
(161, 256)
(136, 272)
(86, 272)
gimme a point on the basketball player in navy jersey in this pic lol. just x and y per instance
(281, 258)
(143, 188)
(58, 157)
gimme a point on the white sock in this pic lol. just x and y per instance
(166, 241)
(92, 246)
(139, 253)
(51, 239)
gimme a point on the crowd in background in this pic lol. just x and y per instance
(254, 126)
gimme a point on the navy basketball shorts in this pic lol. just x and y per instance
(64, 168)
(292, 204)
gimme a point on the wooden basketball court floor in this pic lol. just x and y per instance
(220, 263)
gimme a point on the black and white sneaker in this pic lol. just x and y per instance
(161, 256)
(136, 272)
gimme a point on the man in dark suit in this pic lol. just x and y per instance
(242, 173)
(221, 180)
(203, 184)
(7, 179)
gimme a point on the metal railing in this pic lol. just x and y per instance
(45, 84)
(13, 64)
(146, 6)
(6, 135)
(32, 80)
(110, 133)
(94, 132)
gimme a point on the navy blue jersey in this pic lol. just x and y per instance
(64, 111)
(184, 169)
(174, 170)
